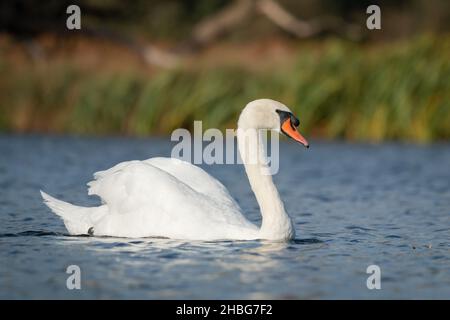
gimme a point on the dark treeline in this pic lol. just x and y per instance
(175, 19)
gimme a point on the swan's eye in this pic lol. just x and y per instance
(284, 115)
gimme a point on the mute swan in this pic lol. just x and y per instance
(167, 197)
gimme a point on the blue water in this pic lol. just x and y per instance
(354, 205)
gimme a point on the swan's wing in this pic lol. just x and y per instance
(192, 176)
(132, 185)
(167, 196)
(195, 177)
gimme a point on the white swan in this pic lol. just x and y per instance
(166, 197)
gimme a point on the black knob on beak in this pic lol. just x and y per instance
(295, 122)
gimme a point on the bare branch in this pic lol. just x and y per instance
(222, 22)
(278, 15)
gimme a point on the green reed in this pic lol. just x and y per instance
(394, 91)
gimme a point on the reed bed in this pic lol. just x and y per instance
(390, 91)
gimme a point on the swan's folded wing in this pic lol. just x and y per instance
(131, 185)
(196, 178)
(143, 199)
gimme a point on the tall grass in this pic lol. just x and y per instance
(339, 90)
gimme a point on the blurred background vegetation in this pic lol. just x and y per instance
(148, 67)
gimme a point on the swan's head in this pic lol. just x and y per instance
(272, 115)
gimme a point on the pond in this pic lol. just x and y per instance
(354, 205)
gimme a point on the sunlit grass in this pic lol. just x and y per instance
(339, 90)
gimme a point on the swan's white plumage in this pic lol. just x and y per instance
(77, 219)
(136, 197)
(166, 197)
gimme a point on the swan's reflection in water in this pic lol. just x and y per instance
(251, 264)
(168, 265)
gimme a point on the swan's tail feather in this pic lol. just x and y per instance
(76, 219)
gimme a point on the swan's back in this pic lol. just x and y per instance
(165, 197)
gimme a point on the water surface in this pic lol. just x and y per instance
(354, 205)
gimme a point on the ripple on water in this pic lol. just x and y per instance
(354, 211)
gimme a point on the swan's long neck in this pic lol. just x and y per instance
(276, 224)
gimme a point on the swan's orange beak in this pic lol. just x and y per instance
(289, 129)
